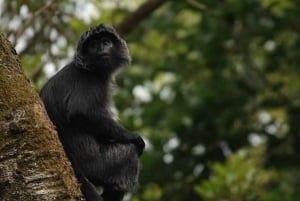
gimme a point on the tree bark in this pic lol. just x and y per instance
(33, 165)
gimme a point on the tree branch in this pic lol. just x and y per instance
(35, 14)
(137, 16)
(196, 4)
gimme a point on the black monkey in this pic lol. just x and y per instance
(103, 154)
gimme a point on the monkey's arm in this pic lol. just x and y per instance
(98, 122)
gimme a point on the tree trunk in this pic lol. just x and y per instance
(33, 165)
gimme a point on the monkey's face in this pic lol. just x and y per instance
(102, 50)
(102, 46)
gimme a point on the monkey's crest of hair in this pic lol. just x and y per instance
(82, 60)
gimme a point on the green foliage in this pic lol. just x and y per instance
(153, 192)
(242, 177)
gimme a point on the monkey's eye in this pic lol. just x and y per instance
(92, 46)
(106, 42)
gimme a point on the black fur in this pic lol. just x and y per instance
(103, 154)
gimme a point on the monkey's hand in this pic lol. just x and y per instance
(138, 142)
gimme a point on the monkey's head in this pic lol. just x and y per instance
(101, 50)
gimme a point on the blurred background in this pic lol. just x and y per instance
(214, 88)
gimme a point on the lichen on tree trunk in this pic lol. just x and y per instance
(33, 165)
